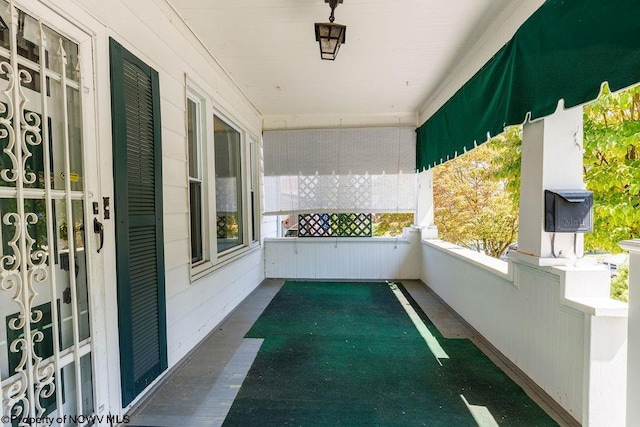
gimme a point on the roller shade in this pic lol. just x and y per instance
(565, 50)
(366, 170)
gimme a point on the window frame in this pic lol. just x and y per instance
(199, 119)
(243, 187)
(249, 185)
(254, 159)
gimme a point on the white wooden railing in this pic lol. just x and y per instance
(355, 258)
(633, 368)
(557, 324)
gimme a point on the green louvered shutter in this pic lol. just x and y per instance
(137, 171)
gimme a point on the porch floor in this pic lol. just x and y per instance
(202, 388)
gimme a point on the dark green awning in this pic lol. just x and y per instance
(565, 50)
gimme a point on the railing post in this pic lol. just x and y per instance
(424, 211)
(633, 340)
(551, 160)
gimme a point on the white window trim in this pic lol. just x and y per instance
(200, 118)
(253, 165)
(243, 183)
(212, 260)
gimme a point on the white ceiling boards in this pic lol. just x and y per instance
(400, 55)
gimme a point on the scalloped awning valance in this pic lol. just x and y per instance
(565, 50)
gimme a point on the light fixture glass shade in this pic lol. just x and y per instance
(330, 36)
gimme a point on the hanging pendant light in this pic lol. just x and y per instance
(329, 35)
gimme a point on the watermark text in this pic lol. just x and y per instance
(93, 419)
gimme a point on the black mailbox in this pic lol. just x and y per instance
(568, 211)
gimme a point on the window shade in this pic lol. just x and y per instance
(367, 170)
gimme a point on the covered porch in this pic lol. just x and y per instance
(174, 136)
(552, 329)
(545, 314)
(463, 388)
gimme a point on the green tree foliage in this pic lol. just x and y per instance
(391, 224)
(507, 160)
(611, 171)
(620, 284)
(473, 207)
(612, 167)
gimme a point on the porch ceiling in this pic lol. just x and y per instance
(401, 57)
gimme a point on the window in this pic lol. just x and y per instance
(224, 189)
(194, 139)
(255, 165)
(229, 221)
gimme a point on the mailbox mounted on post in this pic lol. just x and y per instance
(568, 211)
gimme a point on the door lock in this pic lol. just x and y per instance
(107, 207)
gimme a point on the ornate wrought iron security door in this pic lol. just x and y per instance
(45, 340)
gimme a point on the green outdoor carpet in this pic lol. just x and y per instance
(348, 354)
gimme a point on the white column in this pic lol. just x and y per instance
(633, 340)
(551, 160)
(424, 211)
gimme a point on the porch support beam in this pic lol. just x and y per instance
(424, 213)
(552, 155)
(552, 159)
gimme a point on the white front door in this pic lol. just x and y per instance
(48, 185)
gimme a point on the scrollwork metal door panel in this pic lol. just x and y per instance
(45, 334)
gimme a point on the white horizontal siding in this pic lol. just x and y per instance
(176, 199)
(176, 280)
(174, 172)
(193, 312)
(174, 145)
(173, 115)
(174, 226)
(177, 253)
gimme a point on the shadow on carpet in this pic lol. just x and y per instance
(347, 354)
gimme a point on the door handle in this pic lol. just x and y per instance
(98, 228)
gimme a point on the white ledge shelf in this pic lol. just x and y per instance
(630, 245)
(598, 306)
